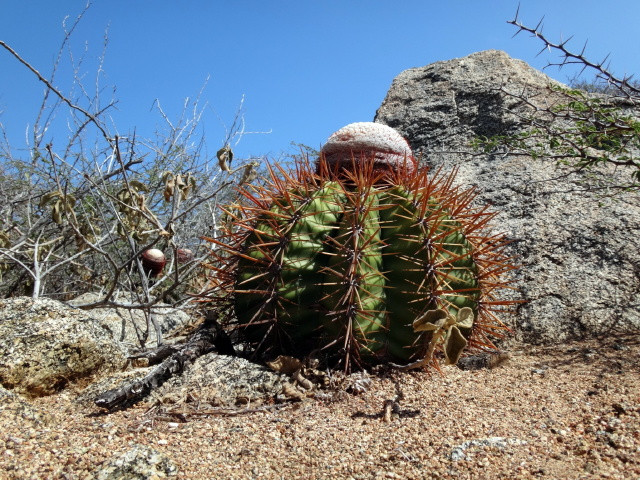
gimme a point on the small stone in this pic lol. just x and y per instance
(140, 462)
(620, 408)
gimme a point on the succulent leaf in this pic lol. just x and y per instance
(430, 321)
(454, 345)
(465, 318)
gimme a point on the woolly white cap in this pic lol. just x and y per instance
(368, 139)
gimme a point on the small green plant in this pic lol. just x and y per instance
(580, 130)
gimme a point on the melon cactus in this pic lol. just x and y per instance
(360, 258)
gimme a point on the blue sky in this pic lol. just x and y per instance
(305, 68)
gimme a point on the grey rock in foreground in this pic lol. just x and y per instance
(44, 345)
(222, 380)
(139, 463)
(215, 380)
(579, 251)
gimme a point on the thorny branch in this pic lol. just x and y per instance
(207, 338)
(572, 58)
(575, 128)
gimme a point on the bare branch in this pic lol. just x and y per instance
(71, 105)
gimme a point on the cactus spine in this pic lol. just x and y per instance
(361, 260)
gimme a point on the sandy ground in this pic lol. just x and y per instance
(570, 412)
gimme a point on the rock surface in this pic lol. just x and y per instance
(20, 408)
(214, 380)
(220, 380)
(579, 250)
(44, 345)
(445, 104)
(127, 325)
(141, 462)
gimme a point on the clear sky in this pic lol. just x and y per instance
(305, 68)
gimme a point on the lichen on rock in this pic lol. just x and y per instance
(44, 345)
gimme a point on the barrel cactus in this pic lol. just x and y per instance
(360, 258)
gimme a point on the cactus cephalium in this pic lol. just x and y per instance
(361, 258)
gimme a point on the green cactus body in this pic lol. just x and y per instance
(353, 287)
(361, 262)
(278, 273)
(352, 268)
(429, 264)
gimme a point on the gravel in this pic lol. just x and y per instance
(579, 419)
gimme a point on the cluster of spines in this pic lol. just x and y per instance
(350, 317)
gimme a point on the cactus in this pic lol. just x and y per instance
(361, 258)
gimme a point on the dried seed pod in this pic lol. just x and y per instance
(153, 261)
(184, 255)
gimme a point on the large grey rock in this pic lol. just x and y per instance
(579, 251)
(44, 345)
(443, 105)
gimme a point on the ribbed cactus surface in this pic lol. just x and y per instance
(361, 261)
